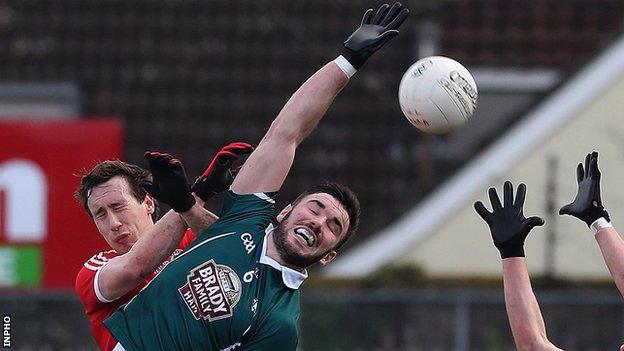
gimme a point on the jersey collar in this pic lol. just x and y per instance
(291, 278)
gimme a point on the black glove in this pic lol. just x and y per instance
(587, 205)
(219, 174)
(507, 223)
(170, 184)
(373, 33)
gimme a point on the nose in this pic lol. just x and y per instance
(316, 223)
(114, 222)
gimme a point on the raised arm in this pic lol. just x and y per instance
(267, 167)
(525, 317)
(587, 206)
(509, 229)
(126, 271)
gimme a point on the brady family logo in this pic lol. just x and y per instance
(211, 291)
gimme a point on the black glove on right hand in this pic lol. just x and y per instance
(587, 205)
(170, 184)
(374, 33)
(508, 226)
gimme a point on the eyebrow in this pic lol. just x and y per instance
(334, 219)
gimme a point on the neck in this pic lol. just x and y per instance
(273, 253)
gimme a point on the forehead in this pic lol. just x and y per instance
(114, 189)
(331, 203)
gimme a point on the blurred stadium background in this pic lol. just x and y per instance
(82, 81)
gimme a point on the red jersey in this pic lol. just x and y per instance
(96, 306)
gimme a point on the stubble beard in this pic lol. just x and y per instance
(287, 252)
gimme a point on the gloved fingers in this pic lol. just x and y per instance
(222, 159)
(176, 167)
(520, 196)
(579, 173)
(398, 20)
(239, 148)
(587, 160)
(366, 19)
(381, 12)
(394, 10)
(482, 211)
(566, 210)
(158, 159)
(494, 200)
(224, 156)
(531, 223)
(507, 194)
(593, 166)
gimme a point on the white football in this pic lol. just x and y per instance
(437, 94)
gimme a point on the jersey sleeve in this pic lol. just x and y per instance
(187, 239)
(278, 334)
(250, 212)
(87, 287)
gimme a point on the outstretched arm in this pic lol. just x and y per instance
(612, 248)
(525, 317)
(509, 229)
(267, 167)
(587, 206)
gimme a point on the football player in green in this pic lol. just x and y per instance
(236, 286)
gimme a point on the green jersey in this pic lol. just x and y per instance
(222, 293)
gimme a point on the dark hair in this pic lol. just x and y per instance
(104, 171)
(346, 197)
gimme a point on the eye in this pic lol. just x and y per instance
(118, 207)
(314, 209)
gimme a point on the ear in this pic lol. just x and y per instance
(149, 203)
(328, 257)
(284, 212)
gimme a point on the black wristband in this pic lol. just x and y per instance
(512, 251)
(355, 59)
(183, 207)
(599, 213)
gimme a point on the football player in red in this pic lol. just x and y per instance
(114, 195)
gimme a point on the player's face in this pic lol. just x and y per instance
(309, 232)
(118, 215)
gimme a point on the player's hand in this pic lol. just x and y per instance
(508, 226)
(587, 205)
(170, 184)
(219, 174)
(374, 31)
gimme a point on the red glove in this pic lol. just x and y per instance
(219, 174)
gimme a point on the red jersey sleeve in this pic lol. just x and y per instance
(96, 307)
(187, 239)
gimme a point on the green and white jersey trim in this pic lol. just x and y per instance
(291, 278)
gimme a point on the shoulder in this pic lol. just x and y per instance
(98, 260)
(247, 206)
(85, 279)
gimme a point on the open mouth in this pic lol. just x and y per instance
(306, 234)
(122, 238)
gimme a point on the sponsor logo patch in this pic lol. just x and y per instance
(211, 291)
